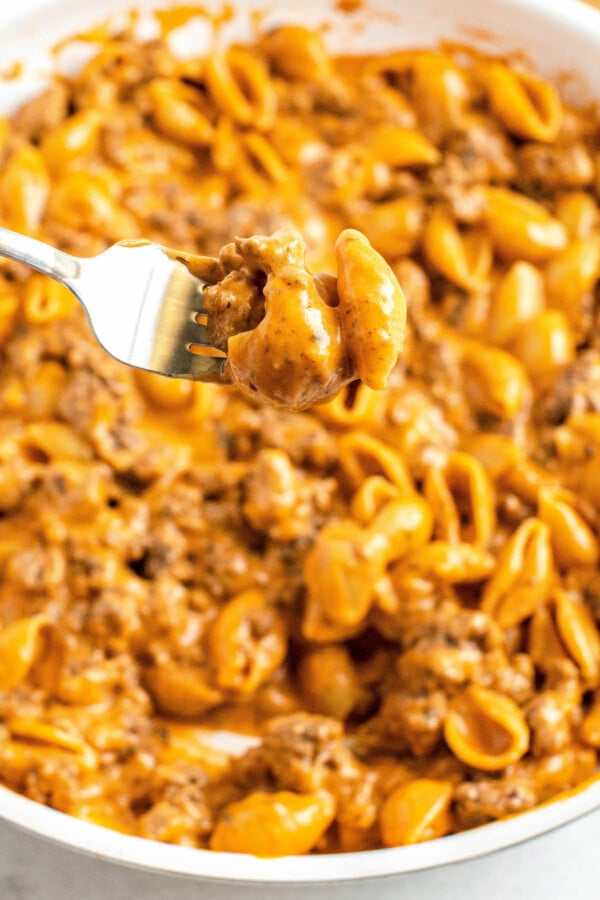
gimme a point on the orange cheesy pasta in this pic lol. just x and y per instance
(296, 339)
(397, 592)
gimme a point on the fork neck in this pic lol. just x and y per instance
(42, 257)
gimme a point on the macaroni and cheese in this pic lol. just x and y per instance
(397, 592)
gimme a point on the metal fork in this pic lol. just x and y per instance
(143, 304)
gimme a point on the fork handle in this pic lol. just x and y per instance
(46, 259)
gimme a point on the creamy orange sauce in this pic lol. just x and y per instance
(349, 6)
(173, 17)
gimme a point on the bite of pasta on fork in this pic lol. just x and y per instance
(255, 317)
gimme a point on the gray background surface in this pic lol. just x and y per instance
(564, 864)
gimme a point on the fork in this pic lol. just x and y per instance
(143, 304)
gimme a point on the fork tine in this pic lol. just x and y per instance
(209, 368)
(145, 307)
(178, 330)
(200, 334)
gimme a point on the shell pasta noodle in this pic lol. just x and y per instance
(296, 339)
(395, 591)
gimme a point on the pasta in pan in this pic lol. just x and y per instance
(397, 592)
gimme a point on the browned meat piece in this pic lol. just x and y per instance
(453, 626)
(282, 501)
(69, 488)
(338, 175)
(75, 241)
(305, 753)
(170, 214)
(438, 367)
(97, 399)
(454, 647)
(180, 505)
(514, 676)
(24, 701)
(552, 167)
(119, 72)
(564, 677)
(37, 569)
(163, 547)
(179, 812)
(550, 719)
(220, 563)
(96, 675)
(98, 403)
(576, 389)
(53, 782)
(419, 427)
(478, 802)
(302, 750)
(438, 662)
(114, 617)
(455, 182)
(330, 96)
(422, 598)
(43, 113)
(85, 396)
(16, 480)
(171, 613)
(416, 286)
(233, 306)
(127, 141)
(303, 437)
(357, 800)
(245, 216)
(484, 152)
(406, 722)
(421, 719)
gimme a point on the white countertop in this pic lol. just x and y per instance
(563, 864)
